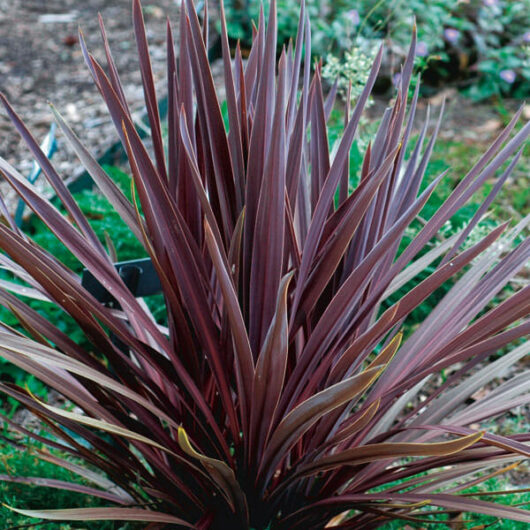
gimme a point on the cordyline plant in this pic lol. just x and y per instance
(279, 395)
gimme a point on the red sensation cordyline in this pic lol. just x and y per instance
(279, 394)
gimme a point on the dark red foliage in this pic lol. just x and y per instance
(280, 394)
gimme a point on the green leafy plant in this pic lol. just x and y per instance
(501, 42)
(278, 394)
(483, 45)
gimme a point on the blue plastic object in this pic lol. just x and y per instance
(48, 147)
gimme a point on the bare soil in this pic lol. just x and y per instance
(41, 61)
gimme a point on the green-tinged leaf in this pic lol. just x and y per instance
(64, 485)
(301, 418)
(270, 372)
(102, 180)
(245, 363)
(104, 426)
(369, 453)
(451, 502)
(222, 475)
(103, 514)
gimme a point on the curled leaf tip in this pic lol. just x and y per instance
(184, 442)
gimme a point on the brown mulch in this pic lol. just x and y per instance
(41, 61)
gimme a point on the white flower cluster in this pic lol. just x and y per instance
(354, 67)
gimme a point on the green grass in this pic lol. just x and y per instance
(23, 496)
(475, 520)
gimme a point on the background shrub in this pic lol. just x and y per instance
(482, 45)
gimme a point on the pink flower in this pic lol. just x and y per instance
(526, 37)
(353, 16)
(452, 35)
(508, 76)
